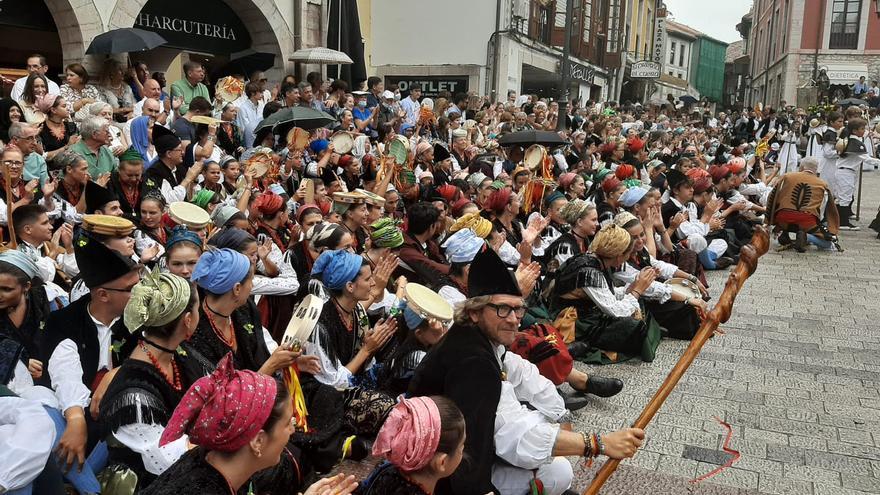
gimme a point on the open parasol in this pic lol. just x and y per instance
(528, 138)
(303, 117)
(320, 55)
(124, 40)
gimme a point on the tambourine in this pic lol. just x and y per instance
(399, 149)
(204, 119)
(229, 89)
(302, 323)
(427, 303)
(188, 215)
(684, 287)
(309, 186)
(342, 142)
(259, 165)
(534, 156)
(298, 137)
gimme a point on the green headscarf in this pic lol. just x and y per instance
(386, 233)
(203, 198)
(131, 155)
(156, 300)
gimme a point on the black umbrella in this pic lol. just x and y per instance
(344, 34)
(528, 138)
(124, 40)
(246, 62)
(688, 99)
(302, 117)
(852, 102)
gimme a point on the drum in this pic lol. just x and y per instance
(302, 323)
(684, 287)
(399, 149)
(298, 137)
(229, 89)
(188, 215)
(108, 225)
(533, 158)
(342, 142)
(427, 303)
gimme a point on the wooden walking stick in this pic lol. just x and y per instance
(13, 243)
(748, 262)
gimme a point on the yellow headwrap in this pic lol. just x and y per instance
(611, 241)
(473, 221)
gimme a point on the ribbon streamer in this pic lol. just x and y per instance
(726, 448)
(300, 413)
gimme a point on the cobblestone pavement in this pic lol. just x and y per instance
(795, 375)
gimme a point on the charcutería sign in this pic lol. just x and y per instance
(207, 26)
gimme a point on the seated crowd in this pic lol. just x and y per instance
(158, 245)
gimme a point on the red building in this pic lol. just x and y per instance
(790, 41)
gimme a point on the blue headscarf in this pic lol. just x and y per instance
(218, 270)
(319, 145)
(139, 138)
(21, 261)
(337, 268)
(412, 319)
(181, 234)
(462, 246)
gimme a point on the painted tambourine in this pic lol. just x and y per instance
(302, 323)
(534, 156)
(399, 149)
(684, 287)
(427, 303)
(229, 89)
(342, 142)
(298, 137)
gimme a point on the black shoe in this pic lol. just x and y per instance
(800, 243)
(784, 239)
(603, 387)
(361, 447)
(578, 349)
(574, 401)
(723, 262)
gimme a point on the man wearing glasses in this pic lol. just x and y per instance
(36, 64)
(161, 175)
(85, 341)
(472, 367)
(24, 136)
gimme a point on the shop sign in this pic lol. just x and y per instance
(659, 31)
(580, 72)
(845, 73)
(431, 86)
(645, 69)
(208, 26)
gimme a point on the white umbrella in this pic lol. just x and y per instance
(320, 55)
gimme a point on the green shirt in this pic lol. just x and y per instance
(102, 162)
(183, 88)
(35, 168)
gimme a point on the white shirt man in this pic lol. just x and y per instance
(36, 64)
(411, 106)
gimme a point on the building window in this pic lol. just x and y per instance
(614, 31)
(672, 53)
(638, 42)
(845, 16)
(681, 56)
(670, 73)
(680, 75)
(588, 20)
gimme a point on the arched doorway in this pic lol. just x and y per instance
(52, 28)
(264, 22)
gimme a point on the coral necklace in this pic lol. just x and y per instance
(230, 342)
(175, 383)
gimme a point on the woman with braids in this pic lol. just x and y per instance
(163, 312)
(422, 441)
(240, 423)
(612, 323)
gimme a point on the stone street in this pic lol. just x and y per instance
(795, 376)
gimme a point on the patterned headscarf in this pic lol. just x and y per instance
(386, 233)
(574, 210)
(611, 241)
(181, 234)
(411, 434)
(156, 300)
(223, 411)
(481, 226)
(269, 203)
(462, 246)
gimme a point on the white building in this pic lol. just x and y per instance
(675, 74)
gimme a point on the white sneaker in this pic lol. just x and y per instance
(850, 227)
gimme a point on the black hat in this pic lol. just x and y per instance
(164, 139)
(97, 197)
(99, 264)
(675, 178)
(440, 153)
(489, 276)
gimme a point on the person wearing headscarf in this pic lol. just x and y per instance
(583, 222)
(460, 248)
(386, 237)
(128, 184)
(182, 252)
(609, 206)
(140, 139)
(345, 344)
(554, 202)
(612, 324)
(678, 314)
(273, 219)
(422, 439)
(24, 308)
(163, 312)
(323, 236)
(10, 111)
(572, 186)
(240, 421)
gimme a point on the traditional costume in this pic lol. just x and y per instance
(801, 201)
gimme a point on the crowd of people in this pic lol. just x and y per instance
(159, 245)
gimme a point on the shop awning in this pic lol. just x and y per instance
(344, 34)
